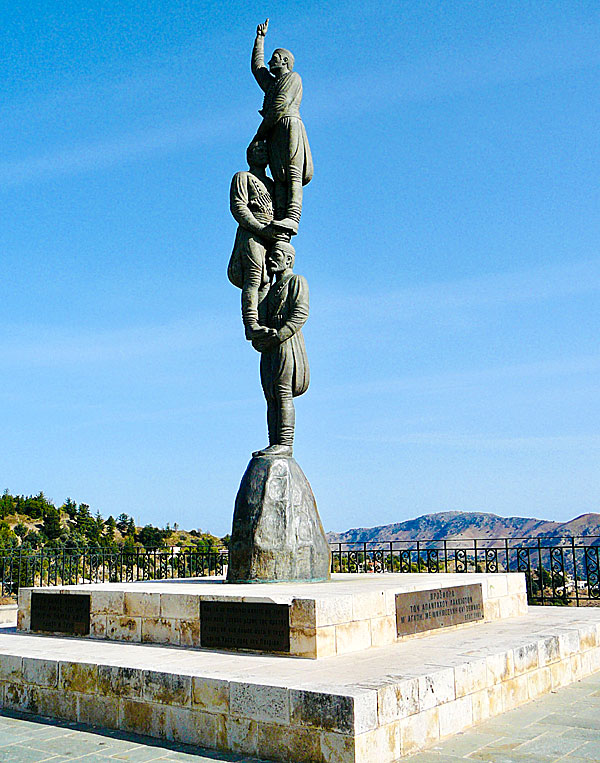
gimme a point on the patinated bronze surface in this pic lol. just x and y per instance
(420, 611)
(277, 533)
(60, 613)
(245, 625)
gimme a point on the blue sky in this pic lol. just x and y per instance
(449, 238)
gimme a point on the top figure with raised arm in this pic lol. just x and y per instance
(290, 160)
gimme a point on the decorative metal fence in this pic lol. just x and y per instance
(68, 567)
(562, 571)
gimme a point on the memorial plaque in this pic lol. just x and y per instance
(419, 611)
(60, 613)
(240, 625)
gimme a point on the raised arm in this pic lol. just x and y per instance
(261, 74)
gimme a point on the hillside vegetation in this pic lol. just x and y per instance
(30, 523)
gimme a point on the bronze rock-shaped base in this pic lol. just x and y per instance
(277, 534)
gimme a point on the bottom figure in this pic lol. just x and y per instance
(284, 371)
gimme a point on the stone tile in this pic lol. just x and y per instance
(548, 650)
(497, 586)
(383, 630)
(97, 625)
(78, 676)
(353, 636)
(167, 688)
(143, 718)
(324, 711)
(303, 642)
(55, 704)
(500, 667)
(539, 682)
(120, 682)
(179, 606)
(160, 631)
(242, 735)
(188, 633)
(333, 610)
(121, 628)
(336, 748)
(419, 731)
(210, 694)
(366, 606)
(397, 700)
(435, 688)
(568, 643)
(40, 672)
(560, 673)
(525, 658)
(455, 716)
(98, 711)
(380, 744)
(260, 703)
(295, 745)
(303, 614)
(107, 602)
(141, 604)
(11, 668)
(515, 692)
(326, 643)
(470, 677)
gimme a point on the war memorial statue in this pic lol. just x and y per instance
(277, 534)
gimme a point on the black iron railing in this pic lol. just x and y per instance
(68, 567)
(558, 570)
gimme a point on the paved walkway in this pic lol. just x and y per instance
(563, 726)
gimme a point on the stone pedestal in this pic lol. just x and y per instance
(277, 534)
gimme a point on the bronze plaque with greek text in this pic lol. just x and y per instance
(60, 613)
(419, 611)
(241, 625)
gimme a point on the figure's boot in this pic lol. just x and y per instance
(272, 421)
(289, 207)
(287, 423)
(250, 310)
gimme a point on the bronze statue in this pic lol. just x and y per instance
(276, 533)
(251, 204)
(284, 371)
(290, 159)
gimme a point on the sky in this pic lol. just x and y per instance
(450, 239)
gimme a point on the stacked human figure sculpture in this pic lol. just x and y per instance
(268, 209)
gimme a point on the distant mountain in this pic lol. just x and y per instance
(466, 525)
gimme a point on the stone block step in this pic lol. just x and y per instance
(380, 704)
(350, 613)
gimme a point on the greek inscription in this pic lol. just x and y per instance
(60, 613)
(419, 611)
(240, 625)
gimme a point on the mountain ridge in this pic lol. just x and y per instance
(467, 525)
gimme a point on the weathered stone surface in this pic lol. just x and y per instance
(277, 534)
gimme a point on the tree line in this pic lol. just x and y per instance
(31, 523)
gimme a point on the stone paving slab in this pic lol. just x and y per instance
(561, 726)
(30, 738)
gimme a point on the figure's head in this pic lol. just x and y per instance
(282, 62)
(281, 257)
(256, 154)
